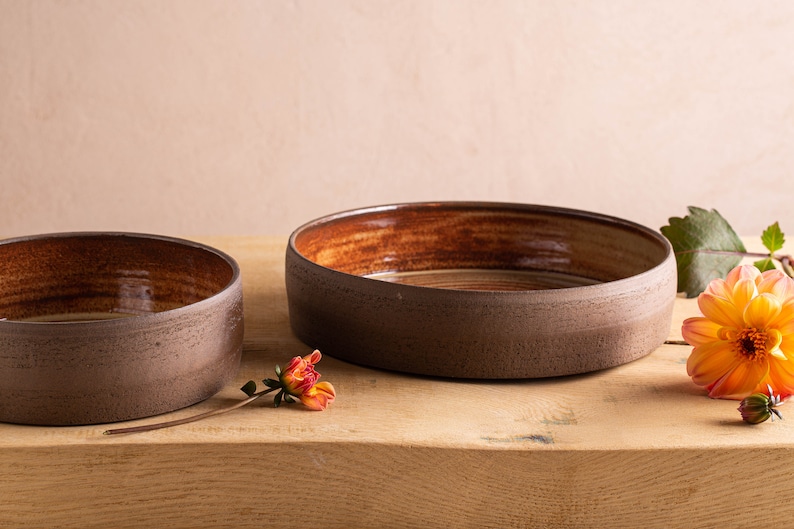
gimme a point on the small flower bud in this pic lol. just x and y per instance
(755, 408)
(759, 407)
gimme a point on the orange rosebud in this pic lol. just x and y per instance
(300, 379)
(319, 396)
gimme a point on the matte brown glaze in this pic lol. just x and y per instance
(501, 326)
(180, 343)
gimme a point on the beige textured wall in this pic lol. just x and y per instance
(192, 117)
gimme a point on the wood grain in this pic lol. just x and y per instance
(637, 445)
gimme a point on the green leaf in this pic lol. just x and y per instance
(773, 238)
(249, 388)
(277, 399)
(705, 246)
(269, 382)
(765, 264)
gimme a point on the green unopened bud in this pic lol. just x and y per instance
(759, 407)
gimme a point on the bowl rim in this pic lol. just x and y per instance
(142, 319)
(484, 205)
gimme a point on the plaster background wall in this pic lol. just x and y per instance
(190, 117)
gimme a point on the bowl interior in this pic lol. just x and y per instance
(481, 246)
(86, 277)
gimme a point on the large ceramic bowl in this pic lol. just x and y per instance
(103, 327)
(480, 290)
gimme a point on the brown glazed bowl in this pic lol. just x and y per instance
(104, 327)
(480, 290)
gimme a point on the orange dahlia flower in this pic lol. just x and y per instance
(745, 339)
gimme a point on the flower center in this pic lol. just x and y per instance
(751, 343)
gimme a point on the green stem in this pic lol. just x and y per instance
(784, 260)
(185, 420)
(727, 252)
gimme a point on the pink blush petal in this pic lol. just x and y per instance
(699, 331)
(742, 272)
(776, 283)
(720, 289)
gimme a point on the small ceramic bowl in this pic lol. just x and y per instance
(480, 290)
(105, 327)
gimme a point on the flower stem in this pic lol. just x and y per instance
(185, 420)
(786, 261)
(727, 252)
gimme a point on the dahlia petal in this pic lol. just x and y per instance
(785, 319)
(786, 346)
(719, 288)
(698, 331)
(781, 376)
(761, 311)
(743, 292)
(720, 311)
(762, 388)
(776, 283)
(710, 362)
(773, 340)
(740, 381)
(742, 272)
(727, 333)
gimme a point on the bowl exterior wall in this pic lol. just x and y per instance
(117, 370)
(484, 335)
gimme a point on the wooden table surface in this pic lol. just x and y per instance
(634, 446)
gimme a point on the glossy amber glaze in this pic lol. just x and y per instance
(414, 238)
(464, 289)
(100, 327)
(104, 274)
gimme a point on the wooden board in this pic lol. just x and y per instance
(634, 446)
